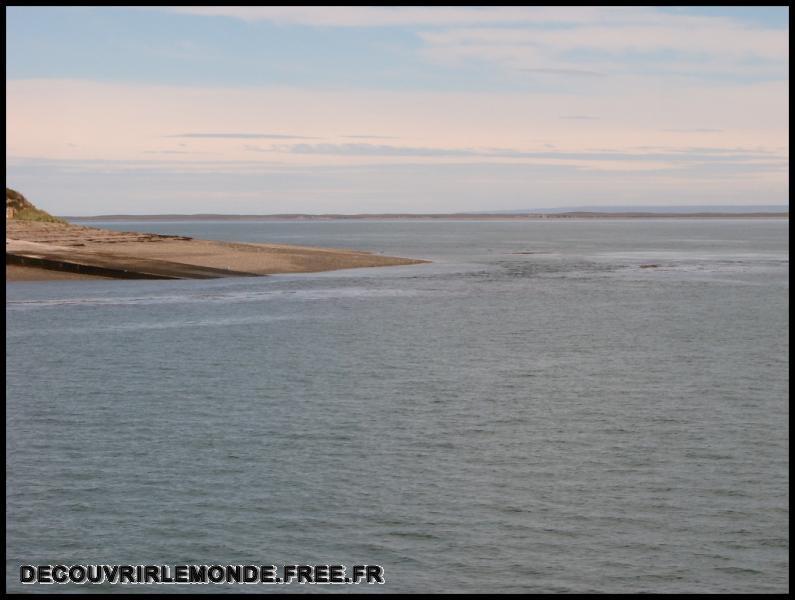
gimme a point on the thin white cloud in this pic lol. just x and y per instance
(541, 39)
(371, 137)
(391, 16)
(694, 130)
(682, 34)
(167, 152)
(241, 136)
(565, 72)
(699, 155)
(673, 45)
(449, 16)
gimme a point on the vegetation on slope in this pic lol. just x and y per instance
(23, 210)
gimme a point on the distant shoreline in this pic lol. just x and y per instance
(437, 216)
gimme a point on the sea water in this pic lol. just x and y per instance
(539, 409)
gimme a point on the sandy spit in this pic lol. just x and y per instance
(156, 253)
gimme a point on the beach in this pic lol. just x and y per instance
(37, 251)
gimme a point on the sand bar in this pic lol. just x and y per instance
(40, 251)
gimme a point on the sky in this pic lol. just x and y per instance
(263, 110)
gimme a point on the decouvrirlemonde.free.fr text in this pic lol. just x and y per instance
(198, 574)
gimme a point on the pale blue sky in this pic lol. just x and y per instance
(149, 46)
(353, 109)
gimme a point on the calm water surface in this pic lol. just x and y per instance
(533, 411)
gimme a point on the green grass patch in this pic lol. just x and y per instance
(34, 214)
